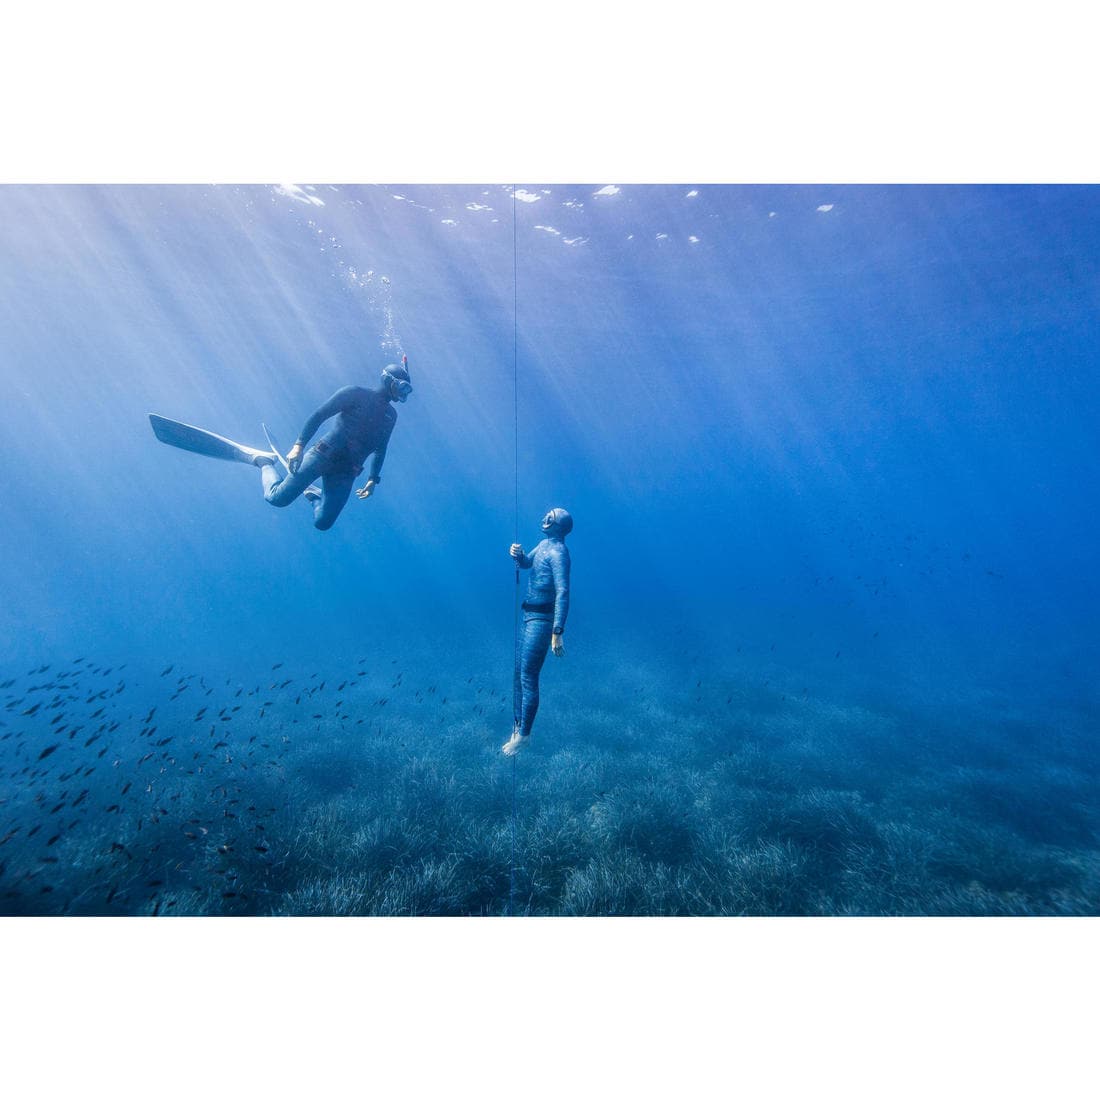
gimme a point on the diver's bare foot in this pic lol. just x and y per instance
(514, 743)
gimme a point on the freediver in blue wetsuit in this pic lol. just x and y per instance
(364, 421)
(544, 613)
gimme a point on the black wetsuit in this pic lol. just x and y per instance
(364, 423)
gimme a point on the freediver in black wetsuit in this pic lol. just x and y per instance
(544, 613)
(364, 422)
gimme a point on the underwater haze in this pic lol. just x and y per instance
(831, 453)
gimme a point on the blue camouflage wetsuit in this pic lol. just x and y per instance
(364, 421)
(544, 613)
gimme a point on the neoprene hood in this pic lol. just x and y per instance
(557, 523)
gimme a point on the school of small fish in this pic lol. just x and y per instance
(89, 779)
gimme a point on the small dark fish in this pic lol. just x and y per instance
(47, 751)
(167, 670)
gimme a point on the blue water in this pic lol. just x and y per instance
(831, 453)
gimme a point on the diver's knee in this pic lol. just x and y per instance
(323, 523)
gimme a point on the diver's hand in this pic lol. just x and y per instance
(294, 457)
(556, 645)
(516, 550)
(367, 489)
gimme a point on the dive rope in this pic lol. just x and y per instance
(516, 684)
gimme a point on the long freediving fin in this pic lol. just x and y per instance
(202, 442)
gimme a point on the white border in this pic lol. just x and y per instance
(849, 91)
(611, 1007)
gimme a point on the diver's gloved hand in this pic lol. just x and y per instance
(516, 550)
(367, 489)
(294, 457)
(556, 646)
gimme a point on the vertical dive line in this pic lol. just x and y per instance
(517, 692)
(515, 364)
(512, 857)
(516, 685)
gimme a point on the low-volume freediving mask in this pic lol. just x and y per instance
(397, 379)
